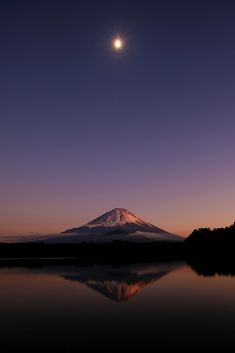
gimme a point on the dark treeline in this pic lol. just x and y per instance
(116, 251)
(212, 252)
(213, 238)
(208, 252)
(204, 242)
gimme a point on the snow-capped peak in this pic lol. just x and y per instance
(115, 218)
(118, 224)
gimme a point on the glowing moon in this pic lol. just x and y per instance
(118, 44)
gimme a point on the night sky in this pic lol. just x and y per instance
(84, 128)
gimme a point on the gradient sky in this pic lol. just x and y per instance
(84, 129)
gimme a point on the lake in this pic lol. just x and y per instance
(157, 307)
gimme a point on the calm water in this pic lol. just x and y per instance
(156, 307)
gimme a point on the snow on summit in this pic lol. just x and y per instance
(114, 218)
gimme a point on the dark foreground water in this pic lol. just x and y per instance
(162, 307)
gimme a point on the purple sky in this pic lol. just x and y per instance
(84, 129)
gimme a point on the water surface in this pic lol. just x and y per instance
(160, 307)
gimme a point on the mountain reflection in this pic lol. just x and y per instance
(120, 283)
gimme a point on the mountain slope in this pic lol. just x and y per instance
(118, 219)
(117, 224)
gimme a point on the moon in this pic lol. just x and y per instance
(118, 44)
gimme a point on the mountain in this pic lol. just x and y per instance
(117, 224)
(116, 220)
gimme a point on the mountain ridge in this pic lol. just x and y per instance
(117, 224)
(116, 219)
